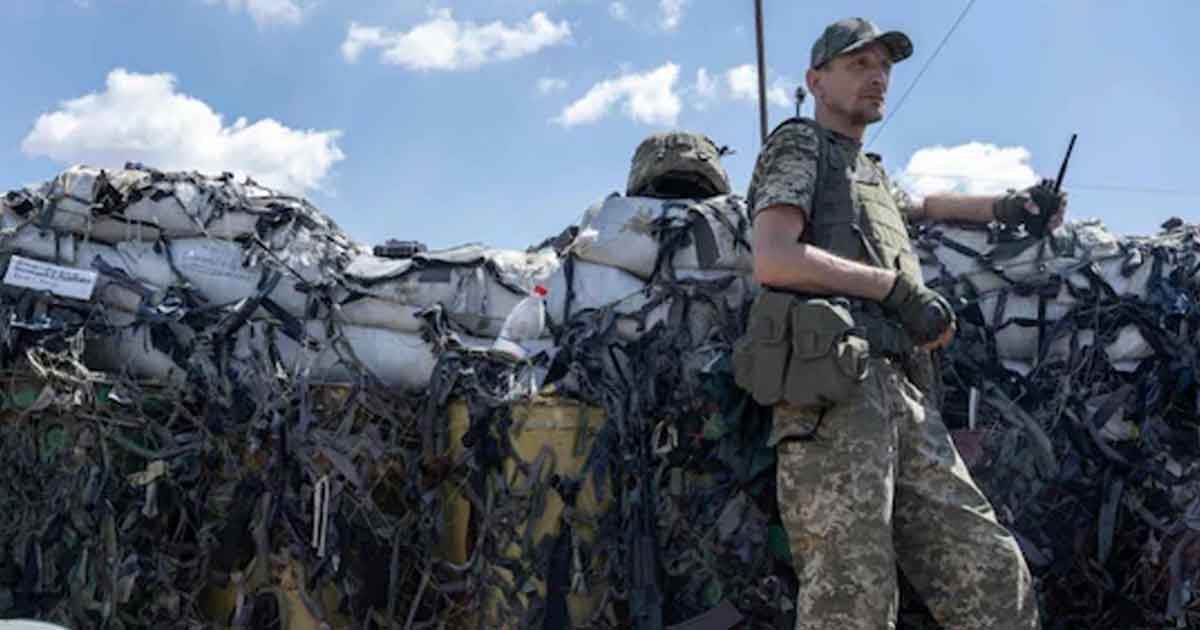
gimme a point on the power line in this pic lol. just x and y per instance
(921, 73)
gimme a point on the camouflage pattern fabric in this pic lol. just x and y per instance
(786, 170)
(677, 164)
(881, 483)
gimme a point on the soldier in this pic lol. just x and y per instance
(868, 475)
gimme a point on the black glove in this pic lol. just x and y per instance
(1010, 209)
(924, 313)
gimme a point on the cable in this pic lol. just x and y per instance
(921, 73)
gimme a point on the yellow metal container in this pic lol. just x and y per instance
(568, 429)
(219, 603)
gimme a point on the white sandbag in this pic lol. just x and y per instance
(65, 249)
(704, 320)
(598, 286)
(1020, 367)
(1016, 341)
(595, 286)
(395, 358)
(620, 232)
(1036, 259)
(171, 205)
(144, 261)
(377, 313)
(215, 269)
(1135, 283)
(120, 295)
(19, 236)
(1129, 346)
(219, 271)
(476, 286)
(1092, 237)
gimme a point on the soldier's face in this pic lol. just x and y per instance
(855, 84)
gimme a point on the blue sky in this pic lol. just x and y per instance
(501, 120)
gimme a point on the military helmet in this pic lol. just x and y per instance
(677, 165)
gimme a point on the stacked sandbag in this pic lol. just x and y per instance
(1025, 288)
(638, 255)
(190, 244)
(476, 286)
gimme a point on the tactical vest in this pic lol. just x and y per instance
(854, 216)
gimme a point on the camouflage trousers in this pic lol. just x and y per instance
(881, 484)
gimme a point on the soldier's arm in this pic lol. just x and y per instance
(948, 207)
(781, 261)
(971, 209)
(781, 193)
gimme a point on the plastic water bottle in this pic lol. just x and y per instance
(526, 321)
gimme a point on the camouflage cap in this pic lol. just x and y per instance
(677, 164)
(851, 34)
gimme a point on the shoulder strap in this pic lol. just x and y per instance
(818, 183)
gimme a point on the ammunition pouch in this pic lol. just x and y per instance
(806, 352)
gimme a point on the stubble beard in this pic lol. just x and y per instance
(860, 114)
(867, 115)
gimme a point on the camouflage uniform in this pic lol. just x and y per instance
(880, 481)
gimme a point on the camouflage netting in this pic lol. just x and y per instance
(276, 441)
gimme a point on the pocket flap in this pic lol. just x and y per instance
(769, 317)
(817, 325)
(809, 344)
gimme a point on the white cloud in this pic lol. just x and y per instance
(706, 89)
(143, 118)
(975, 168)
(648, 98)
(743, 86)
(739, 83)
(743, 82)
(549, 85)
(619, 11)
(672, 13)
(265, 12)
(443, 43)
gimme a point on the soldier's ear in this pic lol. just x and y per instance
(813, 79)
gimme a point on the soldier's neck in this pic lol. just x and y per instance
(840, 124)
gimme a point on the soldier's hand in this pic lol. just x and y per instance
(943, 341)
(924, 313)
(1038, 208)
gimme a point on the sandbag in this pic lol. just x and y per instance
(113, 205)
(125, 293)
(1015, 325)
(1129, 347)
(593, 286)
(625, 232)
(476, 286)
(217, 271)
(396, 359)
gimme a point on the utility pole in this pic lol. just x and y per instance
(762, 72)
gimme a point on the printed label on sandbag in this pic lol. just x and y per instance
(217, 259)
(59, 280)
